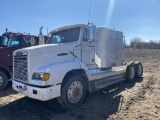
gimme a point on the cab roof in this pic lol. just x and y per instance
(13, 33)
(68, 27)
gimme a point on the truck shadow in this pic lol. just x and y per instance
(98, 105)
(8, 90)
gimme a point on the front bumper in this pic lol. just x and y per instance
(42, 94)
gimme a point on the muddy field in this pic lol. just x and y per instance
(124, 101)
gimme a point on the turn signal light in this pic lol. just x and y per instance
(45, 76)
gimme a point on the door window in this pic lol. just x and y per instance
(29, 41)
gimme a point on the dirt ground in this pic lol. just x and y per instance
(124, 101)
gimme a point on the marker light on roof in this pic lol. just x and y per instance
(6, 29)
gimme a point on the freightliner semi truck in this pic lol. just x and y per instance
(78, 59)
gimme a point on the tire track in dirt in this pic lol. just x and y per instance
(140, 95)
(142, 102)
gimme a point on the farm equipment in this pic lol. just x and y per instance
(78, 59)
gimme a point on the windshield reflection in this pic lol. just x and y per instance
(69, 35)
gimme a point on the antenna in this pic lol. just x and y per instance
(89, 12)
(47, 30)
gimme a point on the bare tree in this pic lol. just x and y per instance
(138, 43)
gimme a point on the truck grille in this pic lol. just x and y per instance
(20, 68)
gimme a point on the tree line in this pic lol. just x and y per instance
(138, 43)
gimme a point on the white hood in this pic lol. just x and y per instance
(42, 55)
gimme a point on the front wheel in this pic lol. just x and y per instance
(3, 80)
(73, 92)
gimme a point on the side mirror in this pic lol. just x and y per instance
(92, 32)
(89, 33)
(85, 34)
(32, 41)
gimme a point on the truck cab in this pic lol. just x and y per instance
(10, 42)
(78, 58)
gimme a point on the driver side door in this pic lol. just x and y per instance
(13, 44)
(88, 50)
(6, 53)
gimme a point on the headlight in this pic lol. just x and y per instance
(41, 76)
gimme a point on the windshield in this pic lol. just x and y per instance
(69, 35)
(4, 42)
(13, 42)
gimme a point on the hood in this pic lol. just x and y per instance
(42, 55)
(49, 48)
(50, 53)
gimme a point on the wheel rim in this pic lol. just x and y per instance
(132, 73)
(139, 70)
(75, 92)
(1, 80)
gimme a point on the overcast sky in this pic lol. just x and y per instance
(135, 18)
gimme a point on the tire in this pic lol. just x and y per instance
(138, 69)
(3, 80)
(130, 72)
(73, 91)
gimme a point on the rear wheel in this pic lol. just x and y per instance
(3, 80)
(138, 69)
(73, 92)
(130, 72)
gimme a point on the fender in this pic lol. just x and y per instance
(59, 70)
(6, 69)
(83, 66)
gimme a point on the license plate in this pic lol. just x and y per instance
(22, 89)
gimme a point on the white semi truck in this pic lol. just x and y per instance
(78, 58)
